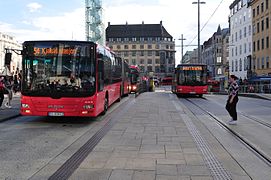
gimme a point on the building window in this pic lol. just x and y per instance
(249, 47)
(133, 46)
(149, 46)
(240, 65)
(267, 62)
(149, 68)
(262, 7)
(267, 42)
(267, 23)
(240, 34)
(249, 30)
(240, 49)
(245, 31)
(157, 69)
(262, 25)
(133, 53)
(258, 27)
(149, 53)
(232, 66)
(262, 43)
(141, 61)
(125, 54)
(133, 61)
(236, 49)
(236, 36)
(156, 46)
(141, 46)
(236, 65)
(258, 45)
(263, 63)
(157, 53)
(157, 61)
(258, 10)
(258, 63)
(149, 61)
(254, 46)
(245, 64)
(245, 48)
(126, 47)
(219, 71)
(253, 13)
(266, 4)
(218, 60)
(118, 46)
(141, 53)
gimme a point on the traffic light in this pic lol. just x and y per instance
(8, 58)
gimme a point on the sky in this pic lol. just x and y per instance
(59, 19)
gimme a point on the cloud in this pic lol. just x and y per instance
(68, 26)
(33, 7)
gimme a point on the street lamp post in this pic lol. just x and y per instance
(199, 50)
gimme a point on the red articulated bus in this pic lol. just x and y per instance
(134, 79)
(190, 79)
(70, 78)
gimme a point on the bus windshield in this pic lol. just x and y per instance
(192, 77)
(58, 69)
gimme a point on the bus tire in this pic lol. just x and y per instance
(105, 105)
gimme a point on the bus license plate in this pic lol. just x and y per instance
(56, 114)
(192, 92)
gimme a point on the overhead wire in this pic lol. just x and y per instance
(207, 21)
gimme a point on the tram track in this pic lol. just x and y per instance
(258, 152)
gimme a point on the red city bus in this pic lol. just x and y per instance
(69, 78)
(190, 79)
(134, 78)
(126, 83)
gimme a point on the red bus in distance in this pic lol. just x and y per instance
(190, 79)
(70, 78)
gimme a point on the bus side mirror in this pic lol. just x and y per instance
(8, 59)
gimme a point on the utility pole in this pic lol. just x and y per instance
(199, 50)
(182, 39)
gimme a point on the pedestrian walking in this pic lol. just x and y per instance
(8, 88)
(2, 88)
(232, 99)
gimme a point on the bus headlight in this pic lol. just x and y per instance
(134, 87)
(24, 105)
(89, 106)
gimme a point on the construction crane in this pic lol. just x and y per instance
(94, 24)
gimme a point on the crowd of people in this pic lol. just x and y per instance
(9, 85)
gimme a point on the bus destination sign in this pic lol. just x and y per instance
(191, 68)
(53, 51)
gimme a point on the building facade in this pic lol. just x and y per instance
(9, 42)
(149, 46)
(261, 15)
(215, 54)
(240, 39)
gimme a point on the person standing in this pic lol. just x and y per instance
(232, 99)
(8, 88)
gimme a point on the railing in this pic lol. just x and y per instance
(255, 88)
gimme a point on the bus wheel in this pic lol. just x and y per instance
(200, 95)
(105, 106)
